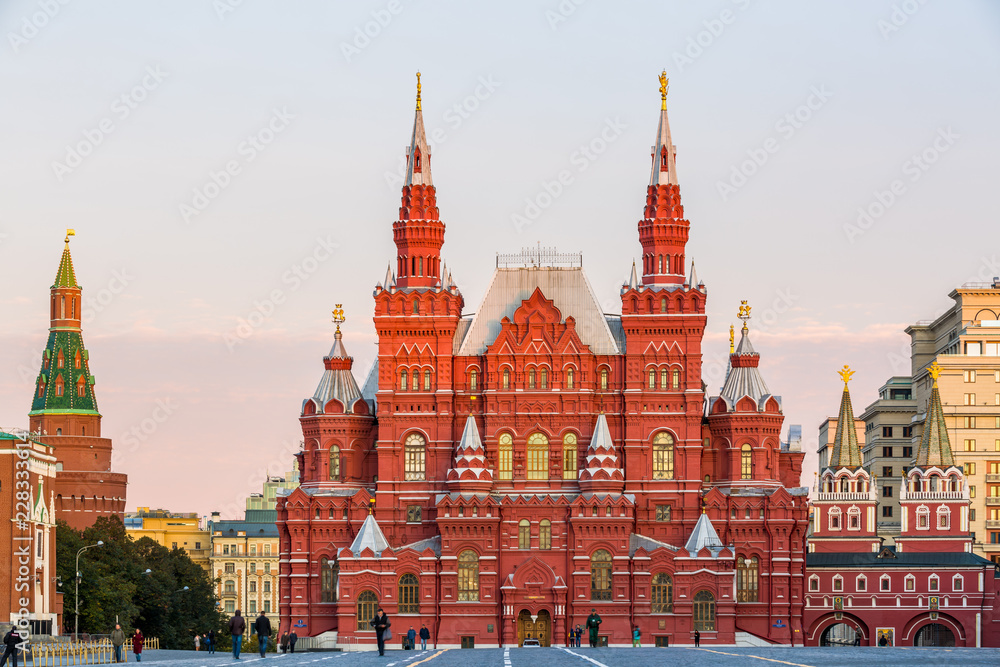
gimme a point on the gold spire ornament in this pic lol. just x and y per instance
(664, 84)
(732, 339)
(418, 91)
(845, 374)
(338, 316)
(744, 314)
(69, 233)
(934, 371)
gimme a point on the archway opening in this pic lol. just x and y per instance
(534, 626)
(839, 634)
(934, 634)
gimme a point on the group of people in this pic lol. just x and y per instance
(118, 641)
(261, 628)
(381, 623)
(208, 639)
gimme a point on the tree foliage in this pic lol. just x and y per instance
(114, 586)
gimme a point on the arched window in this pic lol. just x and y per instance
(77, 361)
(600, 575)
(652, 378)
(747, 579)
(403, 380)
(923, 517)
(663, 594)
(569, 456)
(957, 583)
(81, 386)
(943, 517)
(427, 380)
(569, 379)
(367, 605)
(663, 456)
(835, 518)
(408, 594)
(59, 386)
(854, 518)
(531, 379)
(416, 304)
(506, 378)
(468, 576)
(604, 378)
(660, 268)
(538, 456)
(545, 534)
(663, 378)
(663, 304)
(675, 381)
(473, 380)
(327, 581)
(230, 586)
(414, 465)
(334, 463)
(704, 611)
(543, 378)
(746, 462)
(505, 457)
(60, 361)
(524, 534)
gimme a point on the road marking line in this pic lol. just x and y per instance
(428, 659)
(747, 655)
(506, 657)
(590, 660)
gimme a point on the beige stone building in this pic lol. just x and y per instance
(173, 530)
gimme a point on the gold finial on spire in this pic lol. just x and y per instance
(418, 91)
(371, 505)
(845, 374)
(664, 84)
(732, 339)
(338, 316)
(69, 233)
(935, 371)
(744, 314)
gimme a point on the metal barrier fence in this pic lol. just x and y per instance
(68, 654)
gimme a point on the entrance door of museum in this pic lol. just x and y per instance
(540, 628)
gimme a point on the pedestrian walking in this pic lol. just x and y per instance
(137, 641)
(411, 639)
(10, 643)
(697, 638)
(425, 634)
(593, 623)
(292, 638)
(635, 637)
(283, 644)
(237, 626)
(197, 642)
(210, 642)
(262, 626)
(577, 635)
(381, 623)
(117, 641)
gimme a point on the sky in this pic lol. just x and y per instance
(232, 171)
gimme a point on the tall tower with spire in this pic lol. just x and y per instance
(845, 502)
(934, 496)
(64, 411)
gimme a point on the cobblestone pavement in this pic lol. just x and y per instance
(604, 657)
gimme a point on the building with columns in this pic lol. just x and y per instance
(501, 474)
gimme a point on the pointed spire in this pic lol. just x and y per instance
(370, 537)
(633, 281)
(704, 535)
(470, 473)
(693, 279)
(418, 155)
(846, 451)
(664, 170)
(601, 471)
(935, 447)
(65, 276)
(337, 381)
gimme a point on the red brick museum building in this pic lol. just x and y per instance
(500, 474)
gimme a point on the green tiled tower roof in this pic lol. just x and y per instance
(65, 276)
(935, 447)
(846, 452)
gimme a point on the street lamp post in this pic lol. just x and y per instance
(76, 621)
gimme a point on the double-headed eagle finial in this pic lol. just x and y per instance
(934, 371)
(744, 314)
(338, 315)
(845, 374)
(664, 84)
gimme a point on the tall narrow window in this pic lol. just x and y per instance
(747, 578)
(366, 606)
(506, 378)
(604, 378)
(468, 576)
(663, 593)
(675, 381)
(543, 378)
(524, 534)
(663, 456)
(652, 379)
(663, 378)
(538, 456)
(704, 611)
(414, 458)
(545, 534)
(569, 378)
(81, 386)
(408, 591)
(334, 463)
(427, 380)
(663, 304)
(77, 360)
(473, 380)
(531, 379)
(600, 575)
(746, 462)
(416, 304)
(505, 456)
(569, 456)
(403, 380)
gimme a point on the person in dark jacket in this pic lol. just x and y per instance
(10, 642)
(411, 638)
(262, 626)
(425, 634)
(237, 626)
(117, 641)
(381, 623)
(292, 638)
(284, 642)
(137, 643)
(210, 642)
(593, 623)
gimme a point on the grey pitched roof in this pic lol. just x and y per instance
(702, 536)
(904, 560)
(432, 543)
(637, 541)
(370, 536)
(370, 387)
(745, 379)
(337, 382)
(567, 287)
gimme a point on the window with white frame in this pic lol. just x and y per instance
(838, 584)
(834, 515)
(933, 583)
(861, 584)
(957, 583)
(814, 584)
(923, 518)
(911, 583)
(854, 518)
(943, 517)
(885, 583)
